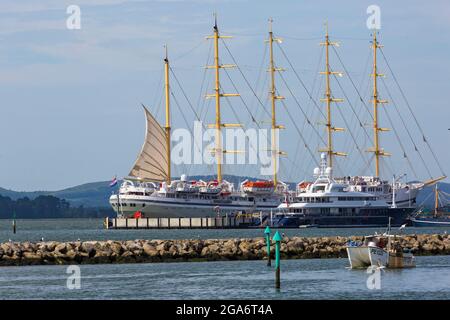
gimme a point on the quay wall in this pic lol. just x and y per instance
(131, 251)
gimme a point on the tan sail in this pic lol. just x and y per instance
(152, 162)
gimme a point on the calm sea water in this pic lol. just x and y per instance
(301, 279)
(92, 229)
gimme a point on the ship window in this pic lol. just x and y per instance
(319, 188)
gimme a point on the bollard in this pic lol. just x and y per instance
(14, 224)
(267, 233)
(277, 239)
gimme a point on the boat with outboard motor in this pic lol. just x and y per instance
(380, 251)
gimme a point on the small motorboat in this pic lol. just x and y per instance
(380, 251)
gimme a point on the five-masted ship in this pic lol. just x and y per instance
(149, 190)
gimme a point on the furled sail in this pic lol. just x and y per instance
(152, 162)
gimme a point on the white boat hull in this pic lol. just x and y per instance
(363, 257)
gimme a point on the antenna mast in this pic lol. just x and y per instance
(379, 152)
(218, 150)
(274, 98)
(167, 127)
(436, 200)
(328, 99)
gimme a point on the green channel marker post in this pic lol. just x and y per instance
(277, 239)
(267, 233)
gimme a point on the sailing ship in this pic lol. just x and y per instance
(441, 214)
(149, 190)
(397, 193)
(319, 203)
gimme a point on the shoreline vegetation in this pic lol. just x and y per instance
(153, 251)
(47, 207)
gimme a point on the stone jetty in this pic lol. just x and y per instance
(91, 252)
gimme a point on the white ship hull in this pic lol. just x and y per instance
(160, 207)
(404, 197)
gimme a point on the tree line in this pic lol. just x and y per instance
(47, 207)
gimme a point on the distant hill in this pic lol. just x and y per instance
(96, 194)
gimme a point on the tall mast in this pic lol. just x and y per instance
(274, 98)
(329, 99)
(167, 127)
(218, 151)
(436, 200)
(376, 143)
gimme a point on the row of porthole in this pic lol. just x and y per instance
(127, 204)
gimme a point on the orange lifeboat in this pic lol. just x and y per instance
(258, 186)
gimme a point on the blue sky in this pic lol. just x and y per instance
(70, 99)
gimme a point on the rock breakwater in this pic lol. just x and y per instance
(132, 251)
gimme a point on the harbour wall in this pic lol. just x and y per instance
(133, 251)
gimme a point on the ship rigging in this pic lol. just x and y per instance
(151, 184)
